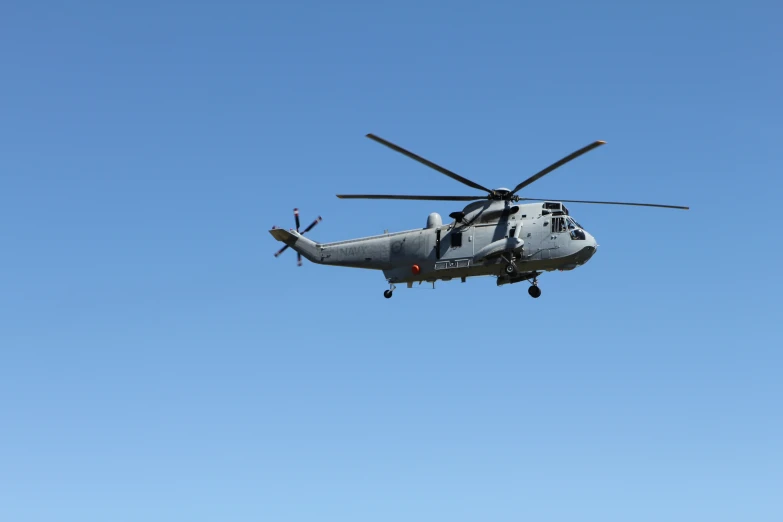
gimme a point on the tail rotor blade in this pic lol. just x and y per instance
(311, 225)
(298, 225)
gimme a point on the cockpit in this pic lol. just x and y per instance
(568, 224)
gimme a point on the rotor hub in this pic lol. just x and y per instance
(501, 194)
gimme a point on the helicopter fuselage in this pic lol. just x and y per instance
(514, 242)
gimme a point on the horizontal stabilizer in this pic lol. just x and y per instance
(283, 235)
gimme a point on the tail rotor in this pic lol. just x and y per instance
(305, 231)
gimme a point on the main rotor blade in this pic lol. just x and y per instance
(417, 198)
(281, 251)
(452, 175)
(557, 164)
(311, 225)
(607, 203)
(296, 216)
(298, 259)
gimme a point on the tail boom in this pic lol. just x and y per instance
(371, 253)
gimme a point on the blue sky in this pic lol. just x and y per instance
(158, 363)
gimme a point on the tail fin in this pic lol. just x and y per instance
(301, 244)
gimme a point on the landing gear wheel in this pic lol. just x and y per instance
(510, 269)
(534, 292)
(387, 294)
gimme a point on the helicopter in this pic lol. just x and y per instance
(494, 235)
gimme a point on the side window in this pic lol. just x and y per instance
(456, 239)
(558, 224)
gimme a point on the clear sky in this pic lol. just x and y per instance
(158, 363)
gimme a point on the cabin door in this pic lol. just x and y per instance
(547, 241)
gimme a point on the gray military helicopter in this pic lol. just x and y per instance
(494, 235)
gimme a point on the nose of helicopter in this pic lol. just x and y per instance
(591, 246)
(588, 248)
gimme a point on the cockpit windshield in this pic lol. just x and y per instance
(567, 224)
(572, 223)
(575, 229)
